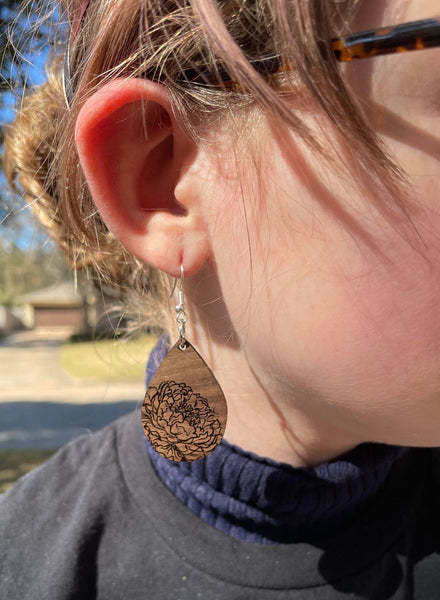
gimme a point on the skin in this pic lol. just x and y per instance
(320, 318)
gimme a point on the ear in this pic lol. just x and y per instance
(140, 168)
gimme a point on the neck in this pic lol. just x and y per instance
(269, 420)
(270, 423)
(283, 436)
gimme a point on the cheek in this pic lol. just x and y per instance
(365, 337)
(383, 331)
(345, 317)
(356, 329)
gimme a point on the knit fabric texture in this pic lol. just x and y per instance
(256, 499)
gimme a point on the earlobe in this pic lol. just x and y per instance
(135, 156)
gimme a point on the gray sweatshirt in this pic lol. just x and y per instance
(95, 522)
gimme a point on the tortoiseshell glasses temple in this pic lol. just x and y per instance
(416, 35)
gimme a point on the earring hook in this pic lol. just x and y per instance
(181, 316)
(175, 282)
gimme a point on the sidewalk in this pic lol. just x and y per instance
(41, 406)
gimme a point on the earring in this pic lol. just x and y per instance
(184, 411)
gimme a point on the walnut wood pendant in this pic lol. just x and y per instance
(184, 411)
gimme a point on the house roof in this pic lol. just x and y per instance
(61, 294)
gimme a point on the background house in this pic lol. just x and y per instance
(59, 305)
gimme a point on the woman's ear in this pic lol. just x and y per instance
(139, 163)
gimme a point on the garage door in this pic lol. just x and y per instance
(57, 316)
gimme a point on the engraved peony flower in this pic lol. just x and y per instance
(179, 423)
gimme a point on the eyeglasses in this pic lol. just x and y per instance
(416, 35)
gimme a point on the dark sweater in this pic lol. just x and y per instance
(96, 522)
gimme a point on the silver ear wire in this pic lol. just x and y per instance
(181, 316)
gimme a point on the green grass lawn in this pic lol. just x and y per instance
(107, 359)
(15, 463)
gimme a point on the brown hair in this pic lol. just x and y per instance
(164, 40)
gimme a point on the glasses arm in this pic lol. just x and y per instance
(416, 35)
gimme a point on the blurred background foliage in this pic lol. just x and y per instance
(26, 37)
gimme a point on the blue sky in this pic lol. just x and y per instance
(26, 235)
(35, 75)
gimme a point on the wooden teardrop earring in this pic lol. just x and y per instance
(184, 411)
